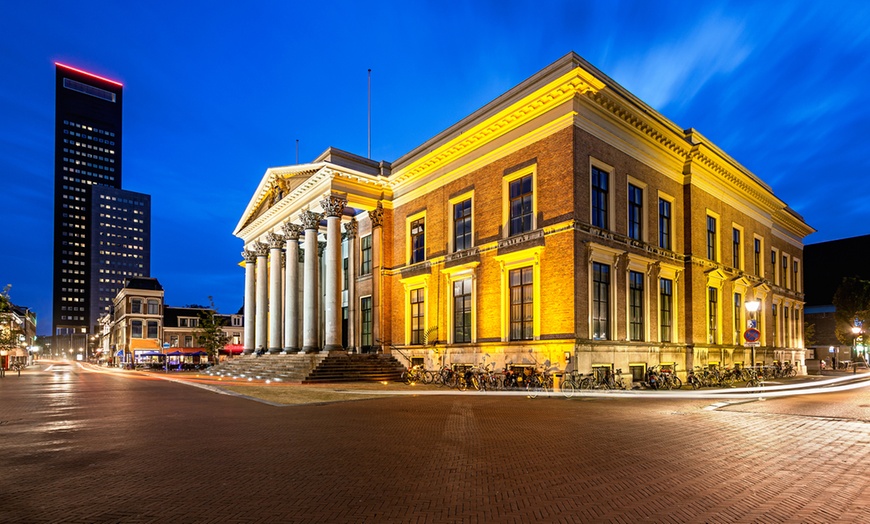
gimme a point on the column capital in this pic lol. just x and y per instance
(291, 231)
(333, 205)
(274, 241)
(250, 257)
(377, 215)
(311, 220)
(351, 228)
(261, 249)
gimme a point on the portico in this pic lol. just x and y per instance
(298, 298)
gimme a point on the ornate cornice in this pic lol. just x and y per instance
(291, 231)
(577, 81)
(616, 107)
(311, 220)
(333, 206)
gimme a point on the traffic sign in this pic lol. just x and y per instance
(751, 335)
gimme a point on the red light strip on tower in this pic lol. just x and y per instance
(104, 79)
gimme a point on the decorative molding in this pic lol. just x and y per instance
(333, 205)
(377, 215)
(291, 231)
(249, 256)
(261, 249)
(275, 241)
(311, 220)
(351, 228)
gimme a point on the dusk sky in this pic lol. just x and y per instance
(217, 92)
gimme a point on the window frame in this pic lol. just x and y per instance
(412, 251)
(737, 239)
(365, 247)
(452, 236)
(636, 301)
(712, 237)
(601, 196)
(666, 330)
(506, 200)
(635, 187)
(666, 234)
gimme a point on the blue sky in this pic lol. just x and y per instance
(216, 92)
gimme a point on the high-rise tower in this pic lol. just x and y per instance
(87, 163)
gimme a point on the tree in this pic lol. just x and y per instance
(209, 335)
(809, 334)
(9, 333)
(852, 303)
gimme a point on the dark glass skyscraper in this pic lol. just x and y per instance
(87, 164)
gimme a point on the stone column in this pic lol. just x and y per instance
(311, 223)
(276, 244)
(250, 299)
(291, 288)
(350, 229)
(262, 319)
(333, 207)
(377, 218)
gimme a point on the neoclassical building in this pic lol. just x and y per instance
(566, 222)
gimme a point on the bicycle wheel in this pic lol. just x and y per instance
(567, 388)
(678, 384)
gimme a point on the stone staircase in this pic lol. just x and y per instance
(310, 368)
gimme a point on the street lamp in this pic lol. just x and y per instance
(752, 306)
(856, 330)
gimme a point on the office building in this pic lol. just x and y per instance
(88, 153)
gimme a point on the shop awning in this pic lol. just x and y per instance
(174, 352)
(233, 349)
(147, 353)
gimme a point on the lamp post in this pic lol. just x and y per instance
(856, 330)
(752, 307)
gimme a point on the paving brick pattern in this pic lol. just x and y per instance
(96, 448)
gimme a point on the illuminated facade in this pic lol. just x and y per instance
(101, 232)
(564, 222)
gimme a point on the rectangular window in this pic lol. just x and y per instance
(462, 225)
(153, 308)
(711, 237)
(785, 271)
(136, 329)
(136, 307)
(635, 305)
(666, 305)
(365, 244)
(188, 341)
(462, 310)
(366, 322)
(664, 224)
(599, 198)
(152, 329)
(786, 327)
(417, 315)
(713, 321)
(735, 248)
(520, 195)
(173, 341)
(796, 280)
(522, 304)
(758, 257)
(775, 326)
(635, 212)
(418, 240)
(738, 312)
(600, 301)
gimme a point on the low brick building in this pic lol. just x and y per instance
(565, 223)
